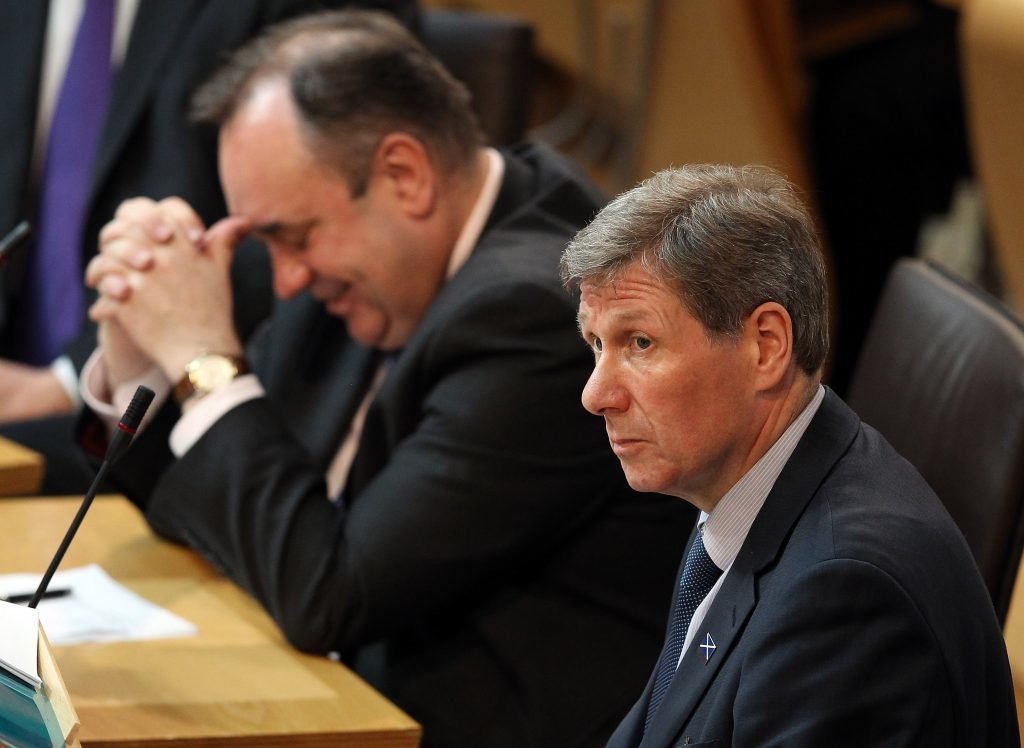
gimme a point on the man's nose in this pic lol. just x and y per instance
(290, 275)
(604, 393)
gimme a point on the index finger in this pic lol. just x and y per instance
(159, 221)
(181, 216)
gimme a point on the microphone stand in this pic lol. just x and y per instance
(126, 429)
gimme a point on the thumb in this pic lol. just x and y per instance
(221, 238)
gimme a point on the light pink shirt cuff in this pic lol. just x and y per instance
(111, 406)
(199, 415)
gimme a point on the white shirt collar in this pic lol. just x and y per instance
(727, 526)
(474, 225)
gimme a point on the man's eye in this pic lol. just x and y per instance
(596, 344)
(296, 241)
(642, 343)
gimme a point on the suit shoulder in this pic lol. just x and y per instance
(873, 492)
(546, 186)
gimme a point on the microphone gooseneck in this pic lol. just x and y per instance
(119, 442)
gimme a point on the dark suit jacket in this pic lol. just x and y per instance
(489, 570)
(853, 615)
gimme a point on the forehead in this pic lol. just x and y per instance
(631, 294)
(267, 169)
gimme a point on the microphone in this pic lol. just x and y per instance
(13, 240)
(122, 437)
(128, 425)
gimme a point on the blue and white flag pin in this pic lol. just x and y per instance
(708, 646)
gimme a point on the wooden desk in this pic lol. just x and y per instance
(21, 470)
(236, 683)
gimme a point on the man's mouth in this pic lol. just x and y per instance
(622, 444)
(339, 303)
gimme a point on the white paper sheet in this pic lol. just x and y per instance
(97, 610)
(19, 642)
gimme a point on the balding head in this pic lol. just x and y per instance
(354, 77)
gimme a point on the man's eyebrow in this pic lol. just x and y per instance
(617, 317)
(278, 228)
(268, 229)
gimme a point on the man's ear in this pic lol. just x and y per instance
(770, 328)
(402, 168)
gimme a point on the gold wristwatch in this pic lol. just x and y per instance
(208, 372)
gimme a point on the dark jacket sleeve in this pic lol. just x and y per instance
(476, 459)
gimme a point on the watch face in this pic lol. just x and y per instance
(210, 372)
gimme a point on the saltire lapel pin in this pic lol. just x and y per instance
(709, 647)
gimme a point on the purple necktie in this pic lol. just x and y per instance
(53, 306)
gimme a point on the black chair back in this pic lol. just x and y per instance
(493, 55)
(941, 376)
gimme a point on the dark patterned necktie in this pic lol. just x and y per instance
(699, 576)
(53, 306)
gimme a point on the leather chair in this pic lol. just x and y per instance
(493, 55)
(941, 376)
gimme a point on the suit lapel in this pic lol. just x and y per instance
(310, 365)
(827, 438)
(379, 429)
(155, 34)
(392, 407)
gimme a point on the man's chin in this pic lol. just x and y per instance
(376, 330)
(372, 335)
(368, 339)
(641, 482)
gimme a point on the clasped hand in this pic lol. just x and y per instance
(164, 288)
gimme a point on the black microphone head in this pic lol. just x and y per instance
(137, 408)
(129, 423)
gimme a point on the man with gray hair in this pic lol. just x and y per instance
(397, 467)
(826, 597)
